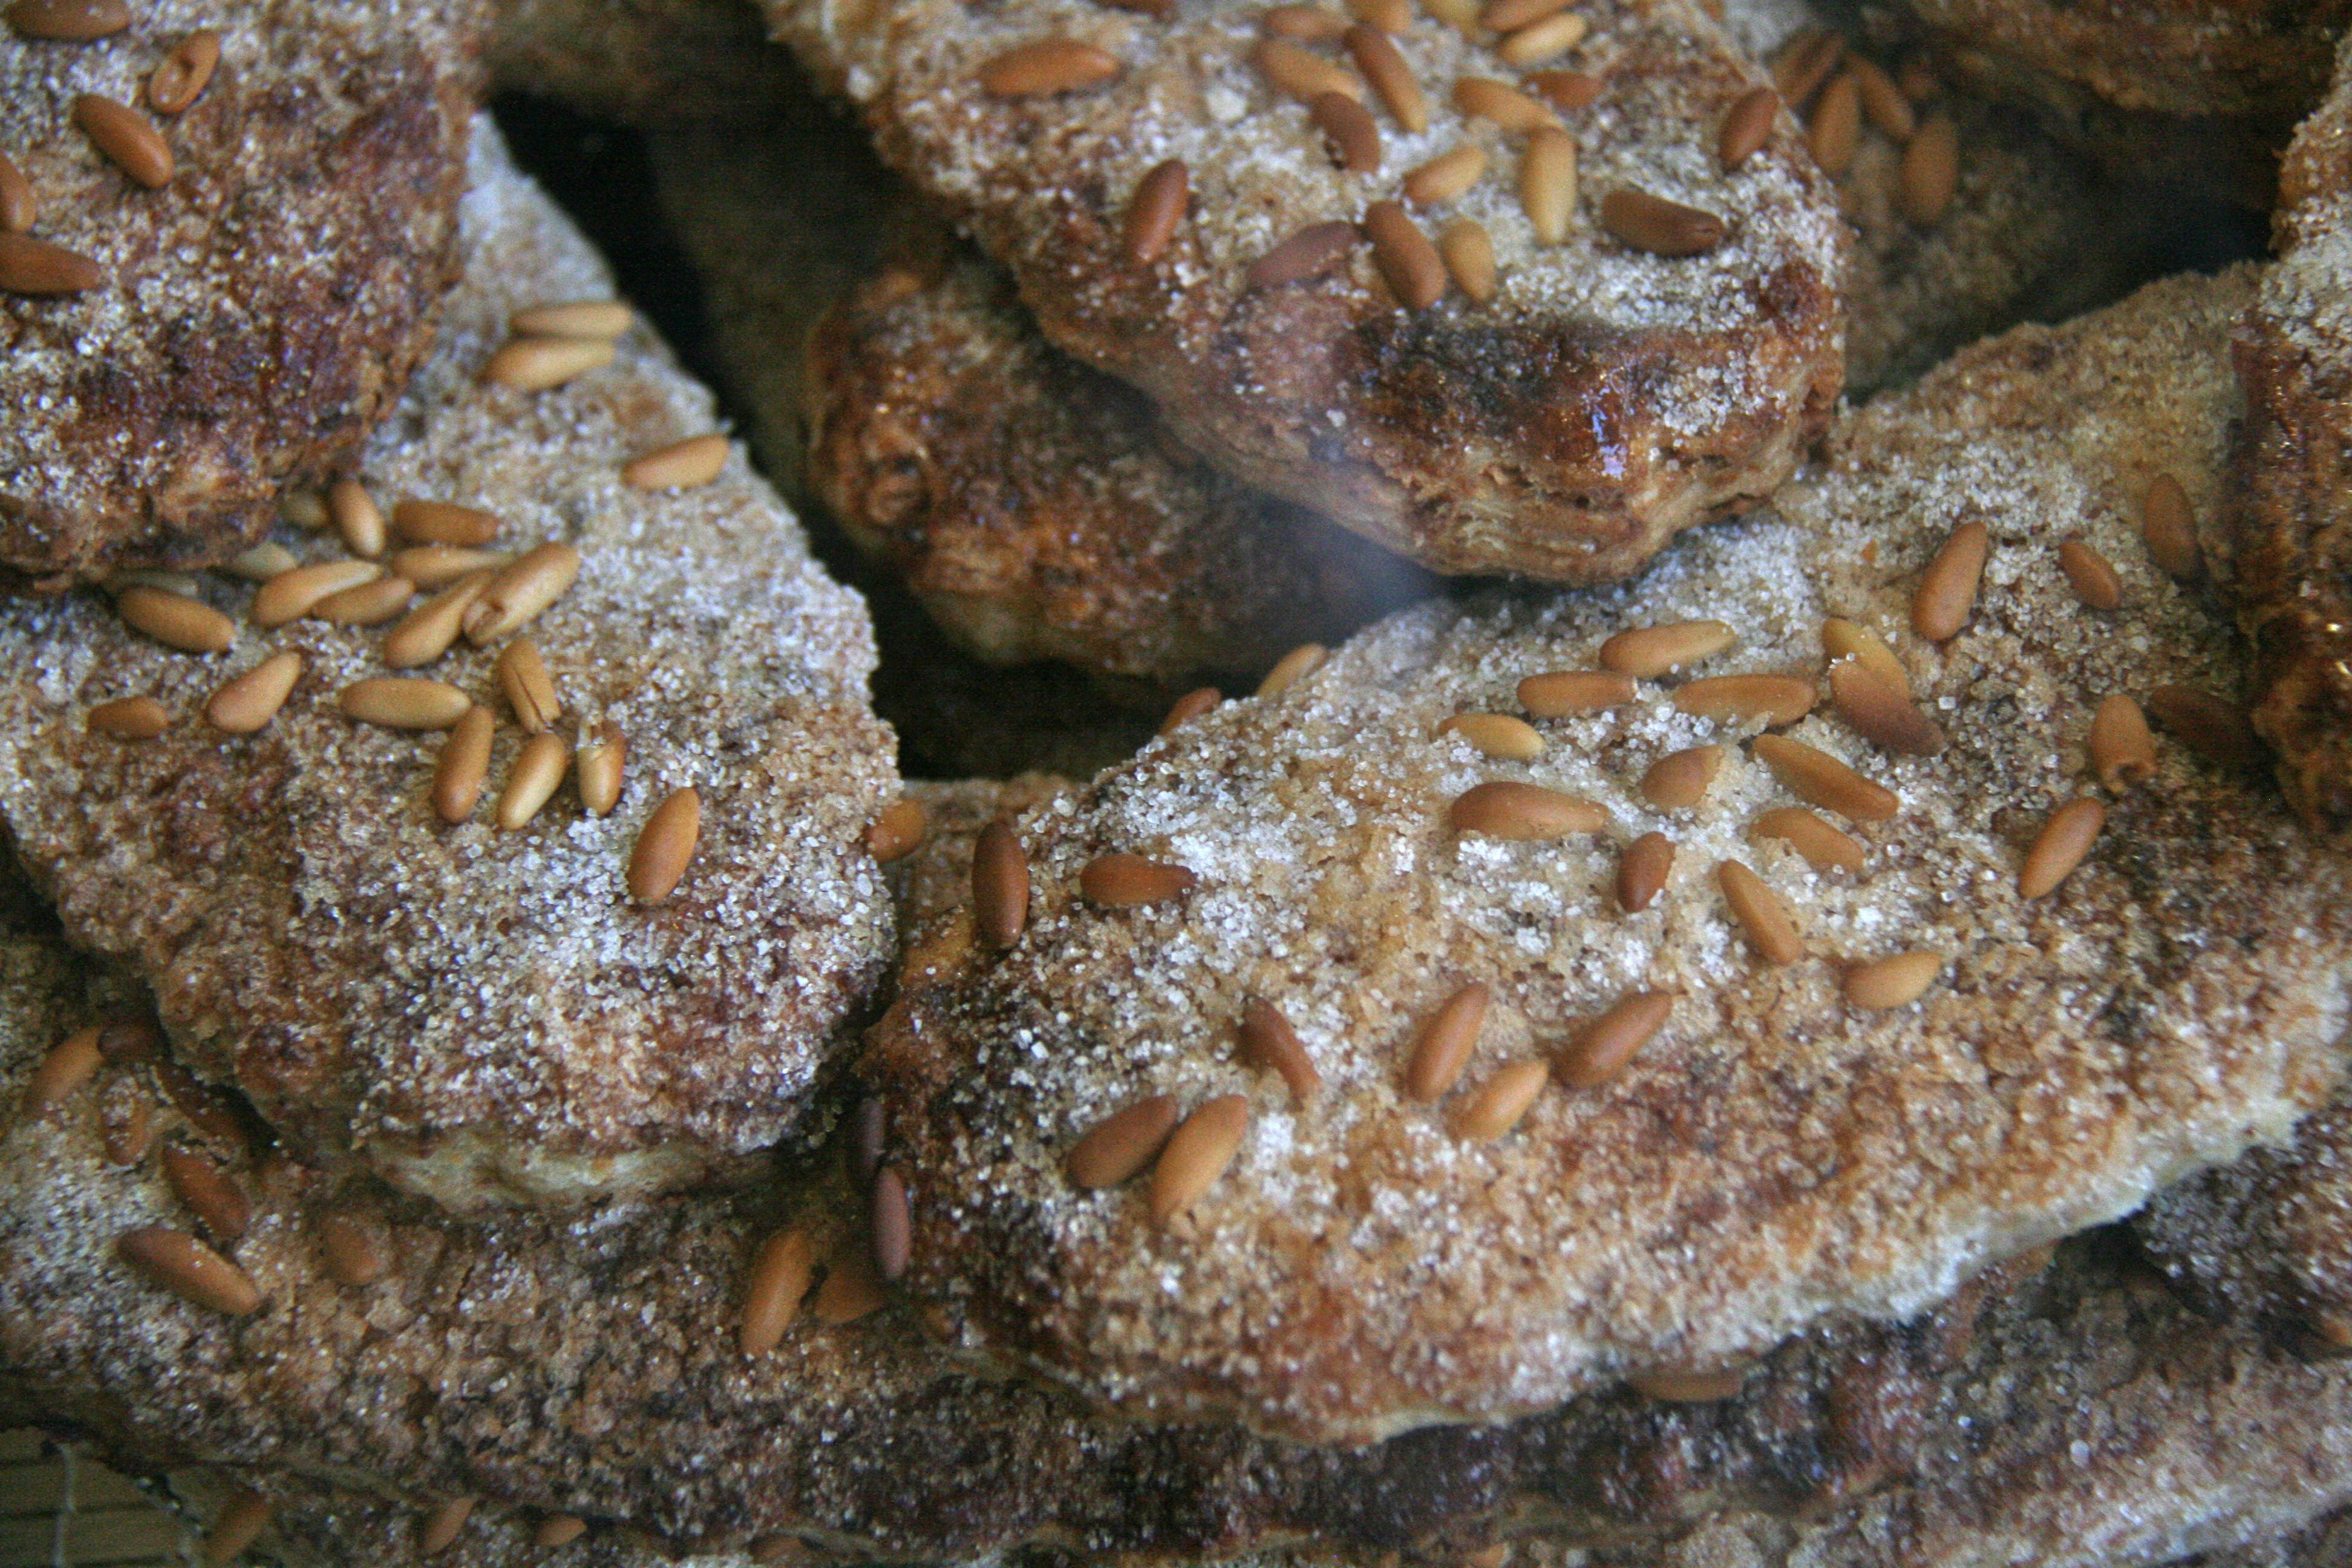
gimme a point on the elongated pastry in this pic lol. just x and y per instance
(523, 860)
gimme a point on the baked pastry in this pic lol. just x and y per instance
(1603, 396)
(641, 61)
(2292, 538)
(1760, 1125)
(934, 879)
(437, 966)
(176, 341)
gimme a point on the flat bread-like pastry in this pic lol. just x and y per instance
(1750, 1120)
(1606, 395)
(480, 1013)
(2290, 537)
(210, 345)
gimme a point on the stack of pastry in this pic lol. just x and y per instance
(1727, 952)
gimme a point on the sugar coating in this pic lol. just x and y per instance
(482, 1016)
(258, 313)
(1603, 399)
(1772, 1155)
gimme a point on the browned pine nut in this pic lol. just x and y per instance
(243, 1516)
(2123, 752)
(185, 72)
(539, 769)
(130, 719)
(179, 1263)
(70, 1063)
(128, 141)
(1835, 133)
(1748, 127)
(1649, 652)
(1189, 707)
(1641, 871)
(1893, 982)
(1130, 881)
(443, 522)
(898, 832)
(1122, 1144)
(356, 517)
(29, 266)
(1443, 1048)
(437, 1531)
(1446, 176)
(1845, 639)
(68, 21)
(664, 846)
(18, 206)
(1483, 98)
(1680, 781)
(1507, 809)
(294, 594)
(1309, 253)
(1825, 847)
(530, 690)
(1377, 57)
(1301, 73)
(521, 592)
(1882, 715)
(773, 1288)
(1602, 1047)
(1762, 917)
(2168, 524)
(2062, 844)
(1501, 1101)
(1648, 222)
(1048, 66)
(249, 701)
(1155, 209)
(1947, 595)
(1778, 700)
(1000, 886)
(542, 365)
(597, 769)
(680, 466)
(1815, 777)
(2217, 730)
(2089, 574)
(1930, 176)
(1469, 257)
(1408, 263)
(1495, 735)
(464, 764)
(607, 319)
(1559, 693)
(1548, 183)
(1267, 1040)
(188, 625)
(1540, 41)
(1293, 668)
(404, 702)
(1196, 1154)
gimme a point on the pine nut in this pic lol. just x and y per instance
(898, 832)
(463, 766)
(1408, 263)
(1748, 127)
(1446, 176)
(126, 137)
(1651, 222)
(2123, 752)
(404, 702)
(188, 625)
(1825, 847)
(356, 517)
(251, 700)
(2168, 524)
(1469, 257)
(185, 72)
(680, 466)
(1495, 735)
(529, 691)
(1293, 668)
(29, 266)
(521, 592)
(1121, 1145)
(68, 21)
(1947, 595)
(607, 319)
(1309, 253)
(1649, 652)
(1844, 640)
(1548, 183)
(1778, 700)
(596, 771)
(1602, 1047)
(664, 847)
(1762, 917)
(539, 770)
(1130, 881)
(1540, 41)
(1836, 135)
(294, 594)
(178, 1262)
(130, 719)
(1502, 1101)
(773, 1288)
(1880, 715)
(1643, 870)
(2090, 574)
(1679, 782)
(2065, 841)
(1483, 98)
(1158, 205)
(1196, 1154)
(1267, 1040)
(1930, 176)
(1443, 1048)
(1046, 68)
(1377, 57)
(1508, 810)
(542, 365)
(1301, 74)
(1560, 693)
(1000, 886)
(443, 522)
(370, 604)
(18, 206)
(1895, 982)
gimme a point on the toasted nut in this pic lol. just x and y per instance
(1602, 1047)
(1469, 257)
(1000, 886)
(70, 1064)
(1882, 715)
(1304, 23)
(605, 318)
(189, 625)
(851, 1290)
(1680, 781)
(1504, 809)
(294, 594)
(890, 1224)
(68, 21)
(2217, 730)
(1815, 777)
(1930, 176)
(1844, 640)
(426, 632)
(370, 604)
(529, 691)
(1805, 62)
(1540, 41)
(1748, 127)
(539, 770)
(404, 702)
(1267, 1040)
(1510, 16)
(1778, 700)
(1189, 707)
(185, 72)
(1762, 917)
(439, 1530)
(1446, 176)
(243, 1516)
(1497, 735)
(1825, 847)
(1647, 222)
(128, 141)
(1649, 652)
(1293, 668)
(2089, 574)
(1310, 253)
(898, 832)
(2123, 752)
(597, 769)
(1882, 103)
(1562, 693)
(2060, 846)
(208, 1192)
(262, 563)
(1548, 183)
(1893, 982)
(1196, 1154)
(1389, 15)
(1046, 67)
(1947, 595)
(1643, 870)
(130, 719)
(558, 1529)
(1122, 1144)
(1483, 98)
(251, 700)
(1501, 1101)
(680, 466)
(1156, 208)
(1443, 1048)
(187, 584)
(1301, 73)
(127, 1122)
(464, 764)
(1836, 135)
(1348, 134)
(773, 1288)
(1385, 68)
(356, 517)
(1568, 92)
(443, 522)
(435, 566)
(542, 365)
(179, 1263)
(666, 844)
(29, 266)
(1130, 881)
(18, 206)
(1408, 263)
(517, 596)
(2168, 524)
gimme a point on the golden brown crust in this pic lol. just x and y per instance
(1773, 1154)
(2293, 528)
(1607, 398)
(227, 350)
(486, 1015)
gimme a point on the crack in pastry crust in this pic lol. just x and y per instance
(1605, 399)
(1774, 1153)
(484, 1015)
(228, 348)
